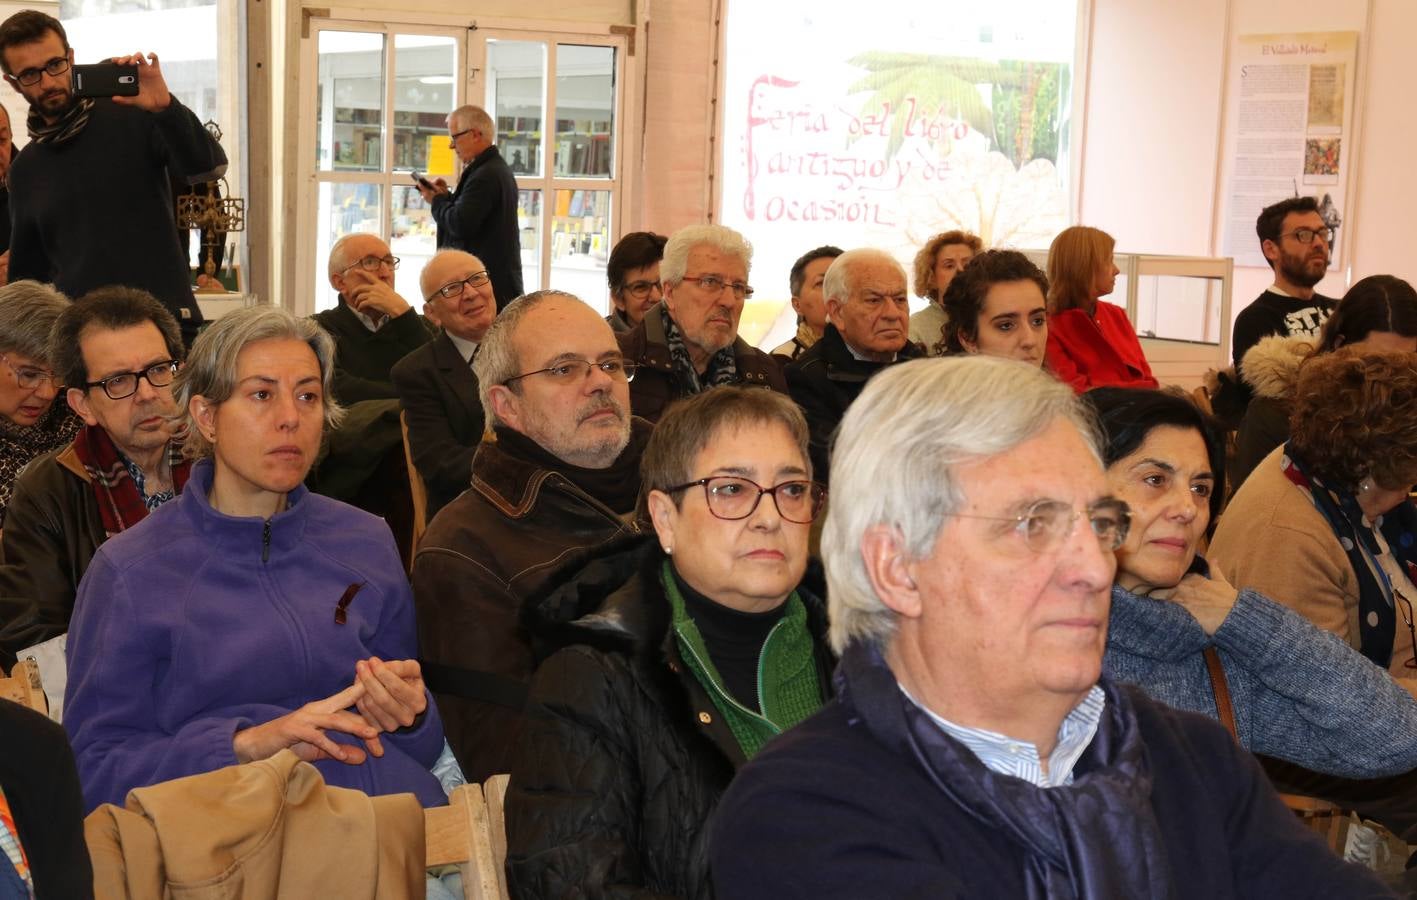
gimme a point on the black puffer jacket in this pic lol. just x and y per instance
(622, 755)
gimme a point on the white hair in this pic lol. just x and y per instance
(470, 116)
(837, 282)
(423, 277)
(895, 458)
(721, 238)
(340, 249)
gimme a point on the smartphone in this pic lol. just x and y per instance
(424, 182)
(105, 79)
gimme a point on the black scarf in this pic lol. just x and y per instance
(20, 444)
(617, 485)
(722, 367)
(66, 129)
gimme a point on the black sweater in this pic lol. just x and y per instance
(97, 210)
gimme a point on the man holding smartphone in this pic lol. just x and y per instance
(90, 195)
(480, 216)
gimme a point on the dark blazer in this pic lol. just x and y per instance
(363, 358)
(480, 216)
(824, 381)
(657, 385)
(438, 394)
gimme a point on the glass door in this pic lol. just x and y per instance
(381, 107)
(556, 102)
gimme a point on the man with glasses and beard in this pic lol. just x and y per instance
(559, 479)
(1296, 241)
(91, 197)
(118, 350)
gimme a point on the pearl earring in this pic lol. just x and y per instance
(668, 551)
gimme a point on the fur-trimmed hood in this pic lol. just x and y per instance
(1271, 367)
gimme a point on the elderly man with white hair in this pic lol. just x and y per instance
(868, 329)
(973, 748)
(689, 342)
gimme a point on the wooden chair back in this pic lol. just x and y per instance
(461, 834)
(417, 488)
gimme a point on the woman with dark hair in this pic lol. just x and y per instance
(1090, 343)
(250, 616)
(1297, 693)
(1378, 314)
(633, 273)
(670, 662)
(1324, 524)
(998, 306)
(936, 264)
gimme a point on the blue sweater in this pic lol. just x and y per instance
(859, 803)
(1299, 693)
(192, 625)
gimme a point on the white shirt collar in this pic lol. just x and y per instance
(465, 348)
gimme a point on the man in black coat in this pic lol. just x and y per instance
(481, 215)
(868, 329)
(91, 199)
(436, 387)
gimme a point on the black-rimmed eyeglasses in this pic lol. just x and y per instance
(125, 384)
(1307, 235)
(730, 497)
(56, 66)
(1405, 607)
(455, 288)
(1047, 523)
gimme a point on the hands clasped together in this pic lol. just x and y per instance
(387, 696)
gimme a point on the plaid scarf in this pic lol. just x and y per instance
(120, 502)
(1363, 542)
(66, 129)
(722, 367)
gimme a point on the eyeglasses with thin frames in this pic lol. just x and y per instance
(455, 288)
(733, 498)
(371, 263)
(1046, 524)
(1405, 607)
(640, 289)
(715, 284)
(574, 371)
(28, 377)
(56, 66)
(125, 384)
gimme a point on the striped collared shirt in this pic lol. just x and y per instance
(1007, 756)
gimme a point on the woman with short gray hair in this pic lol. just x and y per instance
(31, 423)
(249, 615)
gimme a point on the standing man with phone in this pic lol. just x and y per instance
(480, 217)
(91, 199)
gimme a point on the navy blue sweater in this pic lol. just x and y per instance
(842, 807)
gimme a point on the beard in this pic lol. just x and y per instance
(1302, 270)
(597, 450)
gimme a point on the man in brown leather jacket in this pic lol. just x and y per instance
(689, 342)
(559, 478)
(117, 349)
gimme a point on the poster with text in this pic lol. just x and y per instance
(885, 129)
(1290, 132)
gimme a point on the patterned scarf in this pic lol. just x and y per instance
(66, 129)
(722, 367)
(120, 502)
(20, 444)
(1364, 541)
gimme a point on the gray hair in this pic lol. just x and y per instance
(28, 311)
(496, 358)
(837, 282)
(210, 371)
(470, 116)
(895, 459)
(427, 289)
(721, 238)
(337, 261)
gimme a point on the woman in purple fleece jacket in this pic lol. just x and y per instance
(249, 615)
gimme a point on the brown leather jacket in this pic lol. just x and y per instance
(656, 385)
(482, 557)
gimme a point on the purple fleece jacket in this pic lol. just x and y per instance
(193, 625)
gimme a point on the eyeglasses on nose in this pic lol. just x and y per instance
(641, 289)
(733, 498)
(1307, 235)
(125, 384)
(455, 288)
(1046, 524)
(572, 371)
(29, 377)
(714, 284)
(371, 263)
(56, 66)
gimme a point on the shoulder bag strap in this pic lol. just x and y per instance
(1221, 688)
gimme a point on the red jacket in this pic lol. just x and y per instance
(1096, 351)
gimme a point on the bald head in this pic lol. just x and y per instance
(469, 307)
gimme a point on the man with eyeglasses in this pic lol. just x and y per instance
(633, 274)
(437, 390)
(559, 479)
(372, 325)
(690, 341)
(118, 349)
(480, 215)
(974, 748)
(91, 194)
(868, 329)
(1296, 242)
